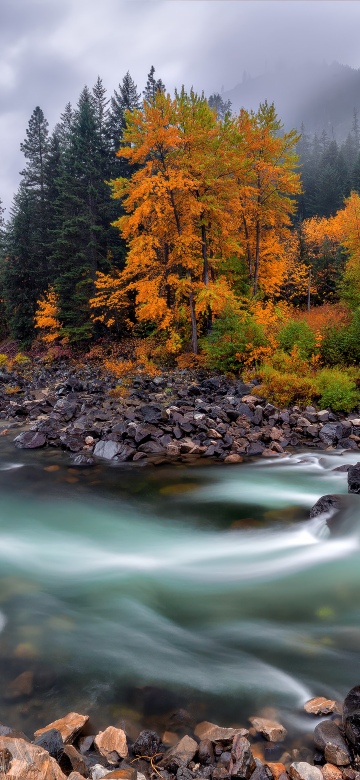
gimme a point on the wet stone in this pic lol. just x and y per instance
(207, 730)
(328, 738)
(30, 440)
(271, 730)
(182, 753)
(112, 744)
(147, 743)
(354, 480)
(52, 742)
(68, 726)
(301, 770)
(242, 762)
(351, 716)
(320, 706)
(206, 752)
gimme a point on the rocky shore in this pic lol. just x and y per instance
(261, 750)
(174, 416)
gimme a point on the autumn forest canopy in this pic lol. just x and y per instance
(201, 236)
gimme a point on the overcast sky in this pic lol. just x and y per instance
(49, 49)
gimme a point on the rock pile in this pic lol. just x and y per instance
(208, 752)
(172, 416)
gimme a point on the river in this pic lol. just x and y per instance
(130, 592)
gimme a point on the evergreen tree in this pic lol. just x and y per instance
(80, 245)
(63, 128)
(222, 107)
(125, 99)
(153, 86)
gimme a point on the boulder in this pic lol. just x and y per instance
(331, 772)
(331, 433)
(351, 716)
(242, 763)
(28, 761)
(112, 744)
(328, 739)
(354, 479)
(181, 754)
(69, 726)
(206, 752)
(146, 744)
(52, 742)
(30, 440)
(325, 505)
(108, 449)
(207, 730)
(270, 729)
(320, 706)
(301, 770)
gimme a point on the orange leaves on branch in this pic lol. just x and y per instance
(46, 317)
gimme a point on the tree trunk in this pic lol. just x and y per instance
(194, 339)
(309, 291)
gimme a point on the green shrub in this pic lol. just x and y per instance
(297, 333)
(231, 341)
(341, 345)
(337, 389)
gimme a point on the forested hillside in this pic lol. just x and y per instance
(203, 236)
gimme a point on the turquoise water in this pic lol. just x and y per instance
(138, 591)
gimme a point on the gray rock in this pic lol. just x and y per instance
(52, 742)
(354, 479)
(327, 737)
(206, 752)
(326, 505)
(151, 413)
(351, 716)
(83, 460)
(30, 440)
(301, 770)
(331, 433)
(181, 754)
(107, 449)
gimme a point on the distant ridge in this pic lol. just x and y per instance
(319, 95)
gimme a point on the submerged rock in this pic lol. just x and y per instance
(270, 729)
(328, 739)
(30, 440)
(320, 706)
(354, 479)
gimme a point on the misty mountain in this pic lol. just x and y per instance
(321, 96)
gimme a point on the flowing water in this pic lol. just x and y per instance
(130, 592)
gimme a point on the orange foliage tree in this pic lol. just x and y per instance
(46, 317)
(267, 193)
(346, 224)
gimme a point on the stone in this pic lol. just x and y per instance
(270, 729)
(301, 770)
(331, 772)
(75, 776)
(27, 761)
(21, 686)
(52, 742)
(351, 716)
(83, 461)
(328, 739)
(122, 774)
(330, 433)
(107, 449)
(75, 759)
(325, 505)
(255, 448)
(98, 771)
(354, 479)
(233, 458)
(147, 743)
(151, 413)
(207, 730)
(206, 752)
(112, 744)
(182, 753)
(68, 726)
(242, 762)
(259, 772)
(277, 768)
(85, 743)
(320, 706)
(30, 440)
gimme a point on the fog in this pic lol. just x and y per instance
(49, 51)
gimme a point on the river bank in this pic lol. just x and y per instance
(176, 416)
(188, 749)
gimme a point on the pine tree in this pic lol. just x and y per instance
(63, 128)
(153, 86)
(222, 107)
(125, 99)
(80, 241)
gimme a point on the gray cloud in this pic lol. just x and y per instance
(51, 48)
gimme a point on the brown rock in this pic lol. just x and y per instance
(182, 753)
(21, 686)
(76, 760)
(276, 768)
(233, 458)
(169, 738)
(270, 729)
(122, 774)
(331, 772)
(112, 744)
(69, 726)
(207, 730)
(329, 740)
(320, 706)
(242, 762)
(75, 776)
(29, 762)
